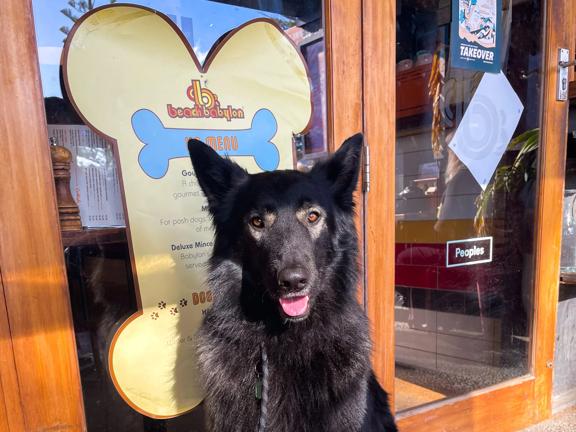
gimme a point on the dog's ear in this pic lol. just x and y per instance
(341, 170)
(216, 175)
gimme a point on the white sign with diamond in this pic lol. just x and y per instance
(487, 127)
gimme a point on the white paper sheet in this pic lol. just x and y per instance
(487, 127)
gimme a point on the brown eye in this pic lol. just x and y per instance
(257, 222)
(313, 217)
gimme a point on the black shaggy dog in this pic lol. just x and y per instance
(285, 346)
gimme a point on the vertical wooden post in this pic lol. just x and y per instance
(343, 36)
(379, 90)
(344, 69)
(31, 256)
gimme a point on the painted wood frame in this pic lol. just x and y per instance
(514, 404)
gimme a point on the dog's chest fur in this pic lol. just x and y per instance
(317, 377)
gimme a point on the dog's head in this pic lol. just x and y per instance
(291, 233)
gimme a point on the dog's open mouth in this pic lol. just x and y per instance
(294, 306)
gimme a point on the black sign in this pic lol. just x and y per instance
(468, 252)
(476, 34)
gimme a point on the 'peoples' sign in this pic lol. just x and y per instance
(468, 252)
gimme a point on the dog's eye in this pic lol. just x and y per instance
(313, 217)
(257, 222)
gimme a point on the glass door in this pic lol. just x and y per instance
(104, 289)
(462, 182)
(466, 161)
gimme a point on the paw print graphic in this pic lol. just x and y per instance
(174, 311)
(183, 303)
(154, 316)
(162, 305)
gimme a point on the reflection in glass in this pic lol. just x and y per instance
(461, 327)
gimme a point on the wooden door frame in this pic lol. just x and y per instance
(40, 387)
(40, 365)
(514, 404)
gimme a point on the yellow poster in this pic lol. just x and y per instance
(133, 78)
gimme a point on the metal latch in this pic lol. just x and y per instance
(563, 64)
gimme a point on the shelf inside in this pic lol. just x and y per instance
(568, 278)
(90, 236)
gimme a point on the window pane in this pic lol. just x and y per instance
(102, 289)
(466, 152)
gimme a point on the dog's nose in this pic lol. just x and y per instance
(293, 279)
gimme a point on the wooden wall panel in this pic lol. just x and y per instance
(564, 383)
(379, 96)
(31, 256)
(11, 416)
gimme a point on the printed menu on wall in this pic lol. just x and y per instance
(93, 176)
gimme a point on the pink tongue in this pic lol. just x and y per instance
(294, 306)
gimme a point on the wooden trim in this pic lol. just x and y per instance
(379, 96)
(344, 86)
(550, 193)
(11, 416)
(31, 256)
(90, 236)
(502, 409)
(344, 69)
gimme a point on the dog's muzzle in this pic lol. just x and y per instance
(294, 285)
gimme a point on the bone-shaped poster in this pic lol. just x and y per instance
(163, 144)
(133, 78)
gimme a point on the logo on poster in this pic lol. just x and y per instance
(471, 52)
(206, 105)
(476, 35)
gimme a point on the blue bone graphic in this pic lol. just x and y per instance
(162, 144)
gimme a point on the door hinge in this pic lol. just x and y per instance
(366, 169)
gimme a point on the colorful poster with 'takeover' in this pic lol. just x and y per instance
(135, 80)
(476, 35)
